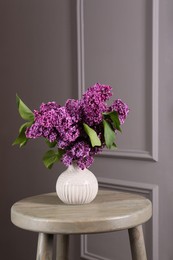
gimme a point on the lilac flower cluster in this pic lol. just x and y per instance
(121, 108)
(64, 124)
(53, 122)
(80, 152)
(45, 120)
(94, 105)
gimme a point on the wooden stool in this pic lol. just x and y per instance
(110, 211)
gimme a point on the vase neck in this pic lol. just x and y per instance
(73, 167)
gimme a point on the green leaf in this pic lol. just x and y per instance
(24, 111)
(95, 141)
(22, 139)
(51, 144)
(115, 119)
(109, 135)
(114, 146)
(24, 127)
(51, 157)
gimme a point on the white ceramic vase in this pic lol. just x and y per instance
(76, 186)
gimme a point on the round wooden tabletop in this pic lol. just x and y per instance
(110, 211)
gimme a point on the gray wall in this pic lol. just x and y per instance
(38, 61)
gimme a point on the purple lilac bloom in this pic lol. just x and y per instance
(34, 131)
(68, 131)
(48, 106)
(102, 91)
(62, 144)
(52, 136)
(67, 159)
(85, 162)
(65, 124)
(53, 121)
(121, 108)
(79, 153)
(47, 114)
(47, 119)
(93, 103)
(74, 109)
(44, 123)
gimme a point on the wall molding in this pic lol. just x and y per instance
(149, 190)
(152, 153)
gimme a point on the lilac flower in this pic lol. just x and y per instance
(44, 122)
(52, 137)
(85, 162)
(73, 107)
(93, 103)
(101, 91)
(34, 131)
(62, 144)
(48, 106)
(79, 153)
(47, 114)
(67, 159)
(121, 108)
(80, 149)
(53, 121)
(64, 124)
(68, 131)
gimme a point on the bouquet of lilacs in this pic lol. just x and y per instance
(76, 131)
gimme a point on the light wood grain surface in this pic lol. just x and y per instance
(110, 211)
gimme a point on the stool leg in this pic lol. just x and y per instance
(44, 247)
(62, 247)
(137, 243)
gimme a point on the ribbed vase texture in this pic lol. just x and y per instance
(76, 186)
